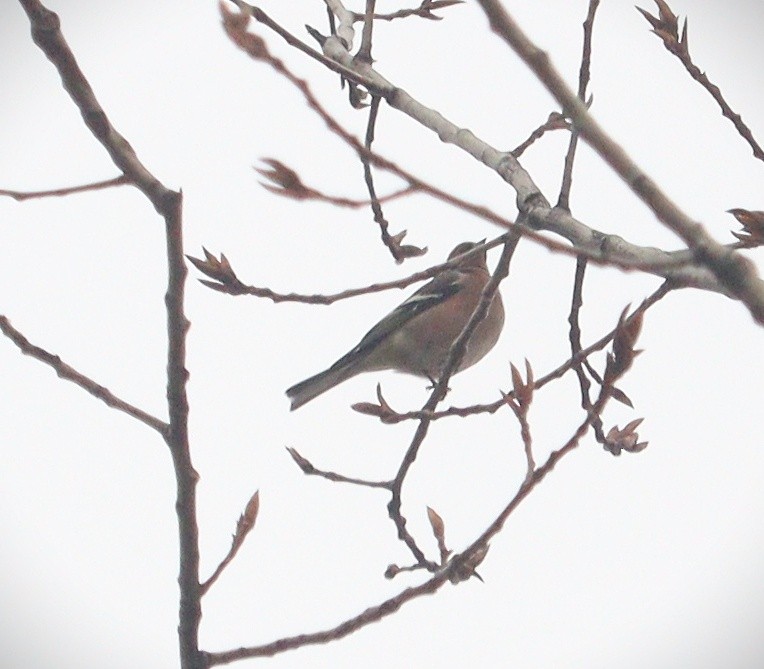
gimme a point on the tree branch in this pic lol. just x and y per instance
(736, 273)
(47, 35)
(70, 374)
(309, 469)
(598, 246)
(20, 196)
(370, 615)
(666, 26)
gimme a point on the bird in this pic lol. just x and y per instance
(416, 336)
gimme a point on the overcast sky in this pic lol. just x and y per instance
(647, 560)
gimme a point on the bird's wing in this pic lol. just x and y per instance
(442, 287)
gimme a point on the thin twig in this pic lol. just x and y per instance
(575, 346)
(556, 121)
(47, 35)
(366, 617)
(364, 51)
(178, 439)
(308, 468)
(284, 181)
(584, 72)
(392, 242)
(68, 373)
(226, 281)
(20, 196)
(539, 474)
(666, 27)
(424, 11)
(243, 527)
(563, 201)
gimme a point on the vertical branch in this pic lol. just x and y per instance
(563, 200)
(391, 242)
(190, 612)
(586, 55)
(364, 52)
(46, 33)
(575, 346)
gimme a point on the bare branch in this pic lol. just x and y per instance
(679, 266)
(367, 617)
(20, 196)
(584, 72)
(287, 183)
(575, 345)
(556, 121)
(178, 439)
(307, 468)
(666, 26)
(364, 51)
(425, 11)
(530, 483)
(70, 374)
(47, 35)
(243, 527)
(732, 270)
(563, 200)
(392, 242)
(226, 281)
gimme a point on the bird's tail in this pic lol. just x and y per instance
(303, 392)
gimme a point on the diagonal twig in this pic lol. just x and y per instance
(243, 527)
(556, 121)
(666, 26)
(68, 373)
(308, 468)
(224, 280)
(425, 11)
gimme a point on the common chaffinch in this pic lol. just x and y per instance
(416, 336)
